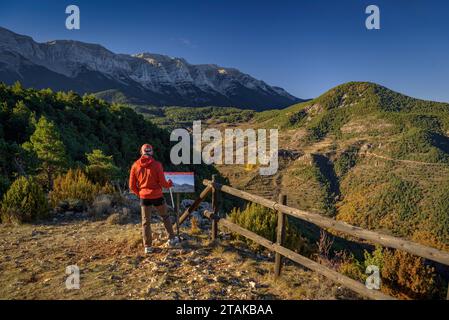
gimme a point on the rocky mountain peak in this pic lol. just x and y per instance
(147, 78)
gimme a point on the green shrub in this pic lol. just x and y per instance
(74, 185)
(352, 268)
(263, 221)
(101, 168)
(25, 201)
(403, 274)
(375, 258)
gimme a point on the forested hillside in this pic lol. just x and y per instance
(369, 156)
(181, 117)
(374, 157)
(81, 123)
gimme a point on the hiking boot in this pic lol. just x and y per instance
(173, 242)
(149, 250)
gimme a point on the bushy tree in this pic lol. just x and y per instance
(74, 185)
(46, 143)
(25, 201)
(22, 118)
(101, 168)
(407, 273)
(263, 221)
(403, 273)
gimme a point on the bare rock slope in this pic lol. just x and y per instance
(144, 78)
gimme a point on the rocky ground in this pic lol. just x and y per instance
(110, 257)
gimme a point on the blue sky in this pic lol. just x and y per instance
(306, 47)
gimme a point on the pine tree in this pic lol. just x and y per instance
(46, 143)
(101, 168)
(23, 118)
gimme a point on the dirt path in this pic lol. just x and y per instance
(405, 161)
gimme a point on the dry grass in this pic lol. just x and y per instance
(110, 257)
(114, 218)
(194, 228)
(101, 206)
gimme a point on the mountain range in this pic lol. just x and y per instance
(144, 78)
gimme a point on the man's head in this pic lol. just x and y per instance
(146, 150)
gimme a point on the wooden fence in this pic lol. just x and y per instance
(321, 221)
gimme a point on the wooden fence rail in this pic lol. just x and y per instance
(310, 264)
(321, 221)
(194, 205)
(325, 222)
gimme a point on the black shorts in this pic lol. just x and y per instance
(152, 202)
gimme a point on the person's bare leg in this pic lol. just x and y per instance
(162, 210)
(146, 226)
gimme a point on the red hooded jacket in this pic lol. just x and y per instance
(147, 178)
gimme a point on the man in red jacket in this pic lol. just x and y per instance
(146, 180)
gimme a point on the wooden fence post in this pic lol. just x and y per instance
(280, 235)
(215, 211)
